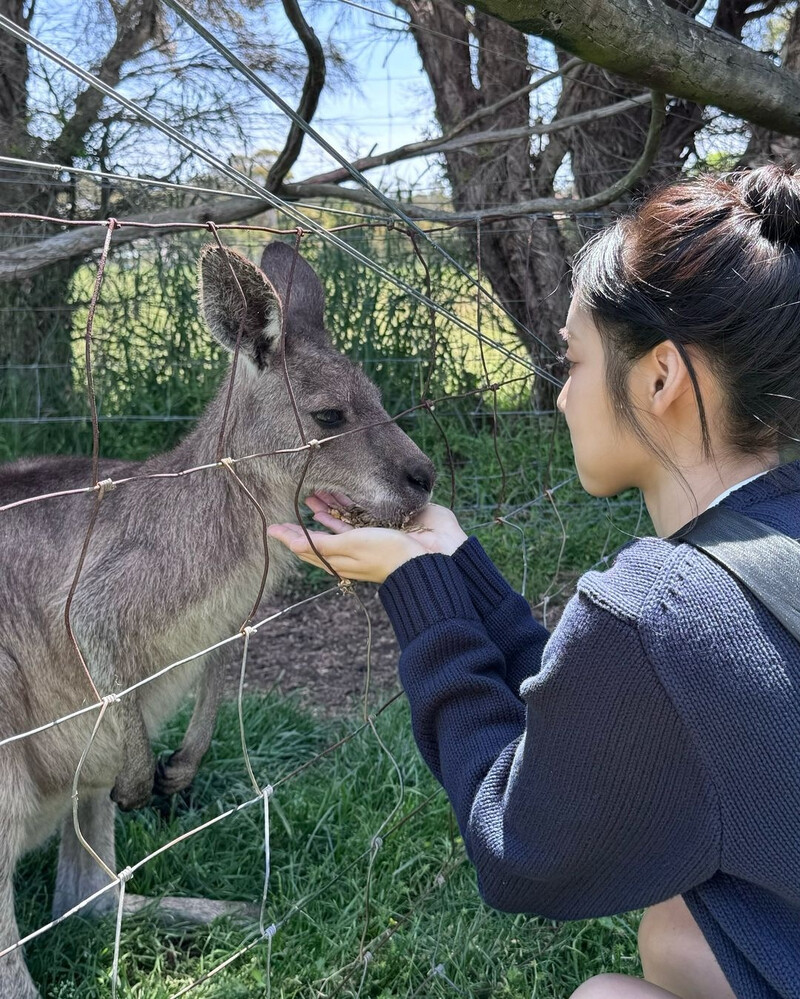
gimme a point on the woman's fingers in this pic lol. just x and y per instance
(366, 553)
(320, 501)
(287, 534)
(333, 523)
(300, 544)
(320, 504)
(330, 499)
(342, 499)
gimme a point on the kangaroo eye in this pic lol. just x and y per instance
(329, 417)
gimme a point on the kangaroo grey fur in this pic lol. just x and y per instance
(173, 566)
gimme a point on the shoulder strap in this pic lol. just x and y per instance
(762, 559)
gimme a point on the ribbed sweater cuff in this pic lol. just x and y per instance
(485, 585)
(425, 591)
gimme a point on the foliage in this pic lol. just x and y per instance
(155, 367)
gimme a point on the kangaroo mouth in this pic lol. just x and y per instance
(357, 516)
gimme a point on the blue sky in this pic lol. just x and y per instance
(383, 100)
(390, 103)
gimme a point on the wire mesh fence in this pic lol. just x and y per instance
(520, 481)
(123, 373)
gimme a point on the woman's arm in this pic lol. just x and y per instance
(587, 798)
(594, 800)
(506, 614)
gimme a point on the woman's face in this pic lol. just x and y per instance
(608, 456)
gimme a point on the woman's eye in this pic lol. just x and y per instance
(329, 417)
(563, 359)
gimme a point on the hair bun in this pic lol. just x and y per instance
(773, 193)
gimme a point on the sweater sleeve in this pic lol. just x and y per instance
(505, 613)
(585, 798)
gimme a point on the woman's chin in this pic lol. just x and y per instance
(596, 484)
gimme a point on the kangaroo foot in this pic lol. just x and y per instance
(172, 910)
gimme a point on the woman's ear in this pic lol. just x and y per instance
(663, 379)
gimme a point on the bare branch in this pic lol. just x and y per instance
(444, 144)
(312, 88)
(25, 261)
(510, 98)
(767, 8)
(137, 24)
(536, 205)
(28, 260)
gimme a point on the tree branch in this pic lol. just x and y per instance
(137, 24)
(510, 98)
(768, 8)
(664, 49)
(497, 213)
(445, 144)
(25, 261)
(312, 88)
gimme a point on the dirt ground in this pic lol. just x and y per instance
(319, 650)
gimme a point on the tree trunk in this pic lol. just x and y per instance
(36, 345)
(767, 146)
(523, 260)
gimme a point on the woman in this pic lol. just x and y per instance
(647, 752)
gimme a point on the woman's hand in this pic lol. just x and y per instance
(368, 553)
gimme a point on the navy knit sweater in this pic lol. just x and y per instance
(648, 747)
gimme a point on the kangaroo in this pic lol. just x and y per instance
(174, 565)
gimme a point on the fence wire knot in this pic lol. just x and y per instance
(268, 791)
(105, 486)
(125, 875)
(314, 443)
(109, 699)
(249, 630)
(377, 843)
(367, 956)
(112, 224)
(227, 463)
(346, 586)
(270, 931)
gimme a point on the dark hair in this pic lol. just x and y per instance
(713, 264)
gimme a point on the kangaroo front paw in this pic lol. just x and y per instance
(130, 792)
(174, 774)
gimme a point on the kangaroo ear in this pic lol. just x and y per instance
(225, 312)
(305, 310)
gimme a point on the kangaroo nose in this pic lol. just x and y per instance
(421, 478)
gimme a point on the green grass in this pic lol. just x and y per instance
(323, 822)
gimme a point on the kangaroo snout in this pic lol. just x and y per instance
(421, 477)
